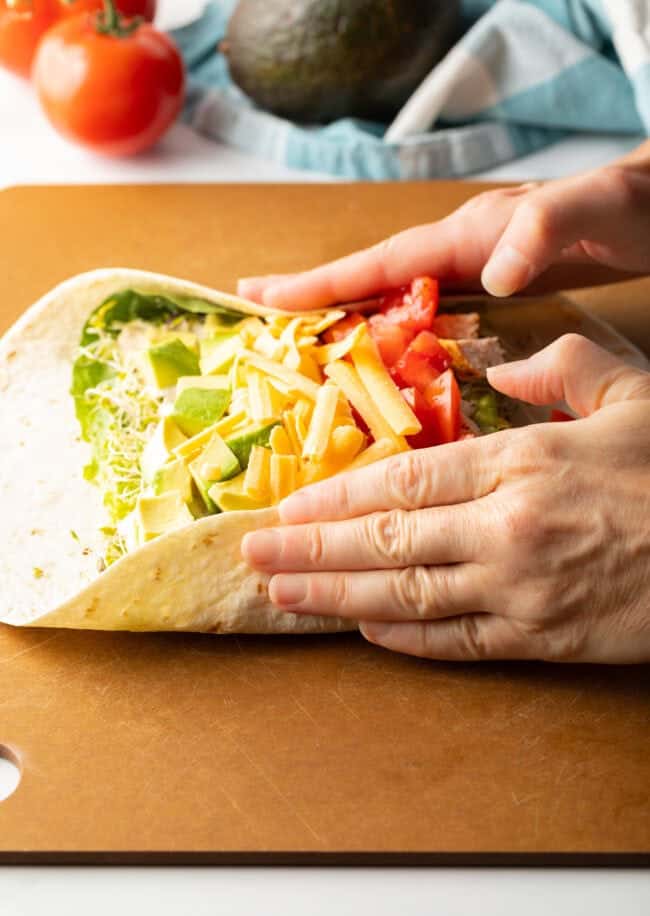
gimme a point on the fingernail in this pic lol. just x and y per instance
(506, 272)
(296, 508)
(375, 632)
(504, 368)
(274, 295)
(262, 547)
(288, 591)
(244, 286)
(494, 371)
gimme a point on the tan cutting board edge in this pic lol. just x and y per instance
(201, 749)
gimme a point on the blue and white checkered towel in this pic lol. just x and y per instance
(525, 73)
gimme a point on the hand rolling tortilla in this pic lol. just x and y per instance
(149, 423)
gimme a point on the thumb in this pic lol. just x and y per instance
(575, 370)
(550, 221)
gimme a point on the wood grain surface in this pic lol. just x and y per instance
(196, 748)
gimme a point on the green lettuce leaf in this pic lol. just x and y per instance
(129, 305)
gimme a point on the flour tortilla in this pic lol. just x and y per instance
(191, 579)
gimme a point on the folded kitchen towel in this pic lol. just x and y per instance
(525, 73)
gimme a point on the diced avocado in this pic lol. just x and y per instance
(230, 496)
(157, 451)
(197, 505)
(243, 442)
(217, 462)
(173, 476)
(197, 408)
(191, 341)
(158, 515)
(165, 363)
(202, 485)
(130, 531)
(202, 381)
(218, 352)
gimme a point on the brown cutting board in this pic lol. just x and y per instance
(199, 748)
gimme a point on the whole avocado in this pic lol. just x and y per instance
(318, 60)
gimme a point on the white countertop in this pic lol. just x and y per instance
(323, 892)
(30, 153)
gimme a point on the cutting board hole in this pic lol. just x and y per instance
(9, 773)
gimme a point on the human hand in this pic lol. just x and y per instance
(505, 238)
(531, 543)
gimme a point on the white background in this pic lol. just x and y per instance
(30, 153)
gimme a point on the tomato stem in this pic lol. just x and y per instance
(111, 22)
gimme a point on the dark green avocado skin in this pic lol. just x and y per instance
(319, 60)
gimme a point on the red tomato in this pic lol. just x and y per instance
(428, 344)
(413, 310)
(431, 433)
(129, 8)
(392, 339)
(559, 416)
(22, 24)
(422, 363)
(343, 327)
(414, 370)
(443, 396)
(116, 92)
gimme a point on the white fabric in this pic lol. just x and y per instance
(529, 51)
(631, 19)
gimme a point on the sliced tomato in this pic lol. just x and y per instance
(392, 299)
(560, 416)
(343, 327)
(424, 360)
(443, 397)
(428, 344)
(413, 370)
(426, 291)
(415, 309)
(392, 339)
(430, 434)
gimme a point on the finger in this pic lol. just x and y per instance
(440, 476)
(424, 249)
(575, 370)
(553, 219)
(383, 540)
(470, 637)
(455, 248)
(416, 593)
(253, 287)
(640, 156)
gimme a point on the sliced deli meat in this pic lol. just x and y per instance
(457, 327)
(471, 358)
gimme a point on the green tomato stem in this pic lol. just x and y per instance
(111, 22)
